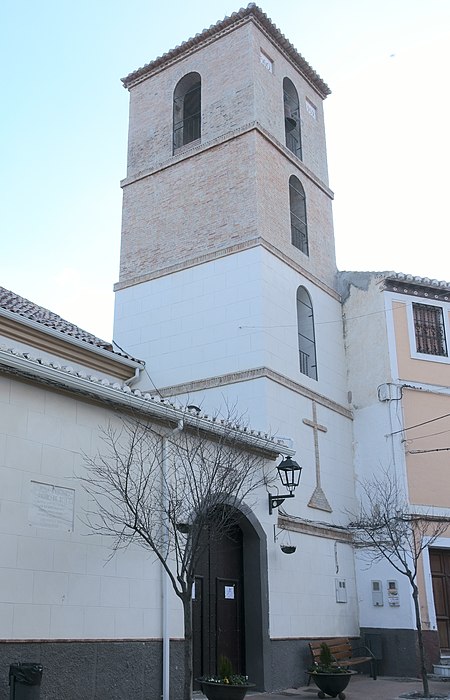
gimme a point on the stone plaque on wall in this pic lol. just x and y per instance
(51, 506)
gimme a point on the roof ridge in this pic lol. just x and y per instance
(245, 12)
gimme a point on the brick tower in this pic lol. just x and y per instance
(227, 281)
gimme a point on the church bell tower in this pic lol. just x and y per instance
(227, 284)
(226, 201)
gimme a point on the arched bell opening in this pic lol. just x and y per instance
(187, 110)
(292, 124)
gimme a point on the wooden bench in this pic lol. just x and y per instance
(344, 654)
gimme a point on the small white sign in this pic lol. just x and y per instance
(266, 61)
(311, 109)
(51, 506)
(229, 592)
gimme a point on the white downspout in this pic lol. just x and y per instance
(165, 595)
(165, 579)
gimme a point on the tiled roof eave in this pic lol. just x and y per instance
(390, 278)
(24, 312)
(120, 395)
(416, 280)
(251, 13)
(82, 343)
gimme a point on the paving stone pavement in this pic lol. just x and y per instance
(360, 688)
(364, 688)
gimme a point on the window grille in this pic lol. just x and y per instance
(306, 334)
(292, 121)
(187, 110)
(429, 330)
(297, 201)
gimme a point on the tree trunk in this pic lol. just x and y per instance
(423, 670)
(188, 655)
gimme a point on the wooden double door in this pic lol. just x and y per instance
(218, 604)
(440, 573)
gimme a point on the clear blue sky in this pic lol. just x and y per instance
(64, 131)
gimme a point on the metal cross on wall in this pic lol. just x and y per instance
(318, 499)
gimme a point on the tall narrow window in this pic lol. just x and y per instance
(187, 110)
(292, 118)
(429, 329)
(297, 204)
(306, 336)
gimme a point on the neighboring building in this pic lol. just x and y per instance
(397, 329)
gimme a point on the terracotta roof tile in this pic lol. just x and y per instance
(251, 11)
(27, 309)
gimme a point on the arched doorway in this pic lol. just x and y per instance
(230, 603)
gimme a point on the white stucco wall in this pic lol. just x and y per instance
(55, 583)
(239, 313)
(236, 313)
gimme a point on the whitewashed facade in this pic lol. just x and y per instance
(100, 625)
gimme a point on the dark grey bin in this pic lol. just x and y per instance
(25, 681)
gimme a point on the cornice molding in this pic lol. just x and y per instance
(190, 151)
(222, 253)
(316, 529)
(424, 289)
(248, 375)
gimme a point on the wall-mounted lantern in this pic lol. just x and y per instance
(289, 472)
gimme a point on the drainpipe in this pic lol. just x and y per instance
(137, 375)
(165, 578)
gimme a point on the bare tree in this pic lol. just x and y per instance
(386, 528)
(162, 488)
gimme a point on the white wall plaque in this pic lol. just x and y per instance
(311, 108)
(51, 506)
(266, 61)
(229, 592)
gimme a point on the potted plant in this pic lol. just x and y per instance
(227, 685)
(330, 678)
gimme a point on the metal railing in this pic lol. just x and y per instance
(186, 130)
(299, 234)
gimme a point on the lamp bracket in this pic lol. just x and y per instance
(275, 501)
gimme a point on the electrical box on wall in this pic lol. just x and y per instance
(393, 598)
(377, 594)
(341, 590)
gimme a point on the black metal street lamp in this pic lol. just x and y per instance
(289, 472)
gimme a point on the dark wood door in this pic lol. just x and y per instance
(218, 605)
(440, 573)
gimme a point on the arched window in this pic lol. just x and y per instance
(187, 110)
(297, 205)
(292, 118)
(306, 336)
